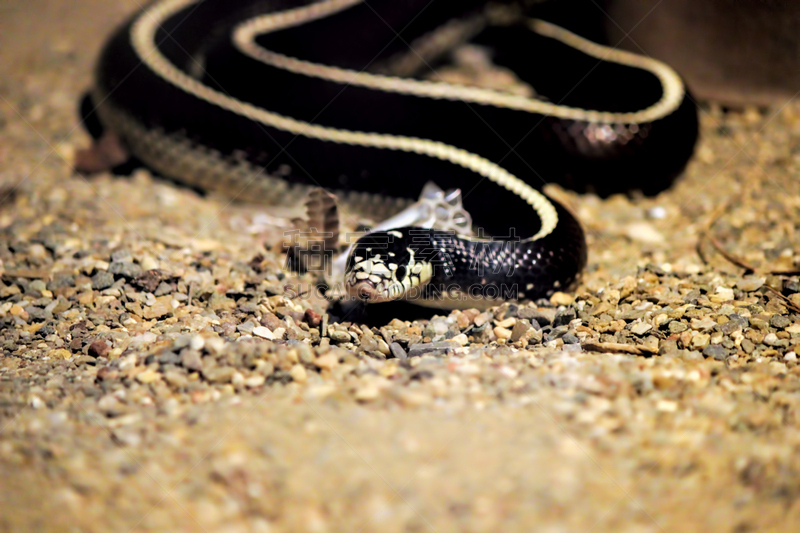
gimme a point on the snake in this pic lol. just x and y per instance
(287, 95)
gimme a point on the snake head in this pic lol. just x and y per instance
(385, 266)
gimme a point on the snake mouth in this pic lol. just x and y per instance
(368, 290)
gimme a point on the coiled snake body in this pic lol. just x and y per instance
(220, 93)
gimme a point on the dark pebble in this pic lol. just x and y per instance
(99, 348)
(148, 281)
(716, 351)
(60, 282)
(312, 318)
(536, 317)
(791, 287)
(556, 333)
(779, 321)
(735, 322)
(564, 317)
(126, 270)
(569, 338)
(102, 280)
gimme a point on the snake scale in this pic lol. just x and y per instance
(291, 93)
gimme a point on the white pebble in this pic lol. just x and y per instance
(725, 293)
(644, 232)
(264, 333)
(197, 343)
(37, 403)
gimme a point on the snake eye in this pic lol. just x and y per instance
(400, 273)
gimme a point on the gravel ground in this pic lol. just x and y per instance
(155, 376)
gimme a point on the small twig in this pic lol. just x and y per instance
(616, 347)
(791, 305)
(730, 257)
(707, 233)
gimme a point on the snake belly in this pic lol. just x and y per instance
(281, 95)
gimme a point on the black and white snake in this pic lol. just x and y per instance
(219, 93)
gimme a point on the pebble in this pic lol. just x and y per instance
(561, 298)
(37, 403)
(779, 321)
(197, 343)
(59, 354)
(176, 379)
(677, 327)
(133, 337)
(700, 341)
(482, 319)
(149, 264)
(791, 286)
(502, 333)
(264, 333)
(716, 352)
(431, 348)
(398, 351)
(771, 339)
(125, 269)
(750, 284)
(312, 318)
(521, 327)
(148, 376)
(367, 394)
(99, 348)
(222, 374)
(191, 360)
(703, 324)
(463, 340)
(327, 361)
(436, 327)
(644, 232)
(102, 280)
(564, 317)
(298, 374)
(340, 336)
(570, 338)
(253, 382)
(724, 293)
(667, 406)
(534, 315)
